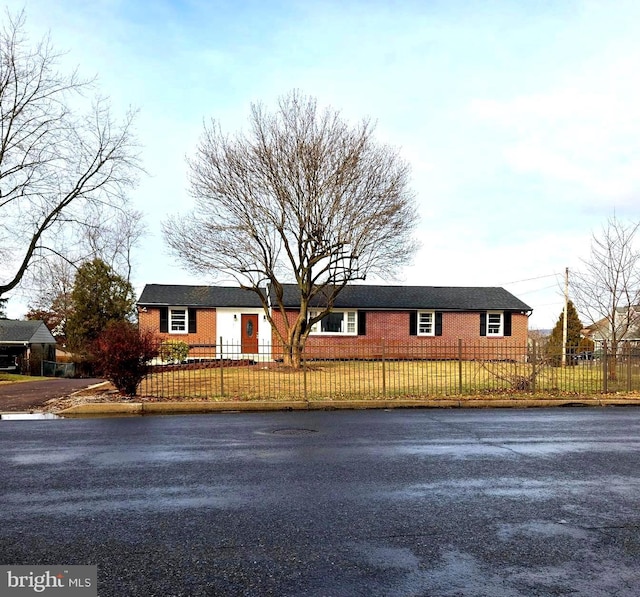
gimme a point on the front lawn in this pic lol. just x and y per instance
(6, 378)
(376, 379)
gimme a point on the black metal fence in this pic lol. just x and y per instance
(387, 370)
(54, 369)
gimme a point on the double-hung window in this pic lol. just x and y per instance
(178, 321)
(336, 322)
(426, 322)
(494, 323)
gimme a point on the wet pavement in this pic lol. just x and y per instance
(28, 395)
(418, 502)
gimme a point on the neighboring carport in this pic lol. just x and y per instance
(25, 346)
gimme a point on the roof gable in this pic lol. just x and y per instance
(27, 332)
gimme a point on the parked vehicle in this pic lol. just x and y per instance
(8, 363)
(586, 355)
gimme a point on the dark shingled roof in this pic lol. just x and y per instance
(197, 296)
(440, 298)
(28, 332)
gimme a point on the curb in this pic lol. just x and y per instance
(198, 407)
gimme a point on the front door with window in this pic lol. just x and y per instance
(249, 334)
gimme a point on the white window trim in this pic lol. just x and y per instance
(186, 320)
(500, 331)
(348, 318)
(432, 323)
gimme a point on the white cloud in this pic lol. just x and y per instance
(585, 132)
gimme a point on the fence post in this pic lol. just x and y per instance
(605, 367)
(384, 373)
(534, 365)
(628, 345)
(459, 365)
(304, 377)
(221, 369)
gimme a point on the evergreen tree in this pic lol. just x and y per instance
(574, 335)
(99, 296)
(3, 307)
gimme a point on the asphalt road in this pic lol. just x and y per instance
(27, 395)
(417, 502)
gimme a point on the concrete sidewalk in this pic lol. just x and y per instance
(142, 408)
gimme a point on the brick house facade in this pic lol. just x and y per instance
(365, 322)
(206, 318)
(419, 322)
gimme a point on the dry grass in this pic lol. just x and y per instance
(334, 380)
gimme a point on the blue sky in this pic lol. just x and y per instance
(521, 120)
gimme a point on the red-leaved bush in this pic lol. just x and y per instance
(123, 353)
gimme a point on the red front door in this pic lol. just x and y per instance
(249, 334)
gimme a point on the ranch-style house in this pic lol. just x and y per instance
(365, 319)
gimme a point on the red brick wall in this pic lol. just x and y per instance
(391, 330)
(206, 327)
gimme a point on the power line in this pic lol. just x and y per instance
(548, 304)
(537, 290)
(530, 279)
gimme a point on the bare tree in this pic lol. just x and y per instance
(302, 198)
(108, 237)
(608, 286)
(52, 302)
(113, 239)
(58, 164)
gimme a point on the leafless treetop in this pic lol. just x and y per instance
(58, 162)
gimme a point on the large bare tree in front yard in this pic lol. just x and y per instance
(302, 198)
(60, 163)
(608, 286)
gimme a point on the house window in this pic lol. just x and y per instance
(178, 319)
(351, 322)
(336, 322)
(425, 323)
(494, 323)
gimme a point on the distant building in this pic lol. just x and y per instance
(25, 346)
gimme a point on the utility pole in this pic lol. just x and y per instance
(564, 323)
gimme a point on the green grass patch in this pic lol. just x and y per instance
(17, 378)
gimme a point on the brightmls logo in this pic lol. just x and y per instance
(64, 581)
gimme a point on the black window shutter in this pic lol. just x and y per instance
(438, 323)
(507, 324)
(483, 324)
(413, 323)
(164, 320)
(362, 323)
(192, 321)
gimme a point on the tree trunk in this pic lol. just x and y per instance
(293, 349)
(612, 360)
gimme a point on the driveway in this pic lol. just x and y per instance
(431, 503)
(29, 395)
